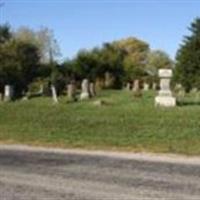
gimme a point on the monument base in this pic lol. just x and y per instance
(84, 96)
(165, 101)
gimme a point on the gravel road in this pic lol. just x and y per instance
(29, 174)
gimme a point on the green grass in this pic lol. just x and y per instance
(124, 123)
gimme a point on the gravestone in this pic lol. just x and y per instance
(54, 94)
(108, 80)
(146, 87)
(136, 86)
(71, 91)
(165, 97)
(8, 93)
(154, 86)
(128, 86)
(92, 89)
(85, 90)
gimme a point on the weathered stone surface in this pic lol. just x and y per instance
(92, 89)
(109, 79)
(154, 86)
(146, 87)
(71, 91)
(165, 97)
(54, 94)
(128, 86)
(8, 93)
(85, 90)
(136, 85)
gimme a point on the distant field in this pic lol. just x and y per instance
(125, 123)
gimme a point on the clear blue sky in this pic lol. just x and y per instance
(81, 24)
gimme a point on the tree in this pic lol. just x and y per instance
(135, 58)
(187, 70)
(158, 59)
(19, 63)
(5, 33)
(44, 40)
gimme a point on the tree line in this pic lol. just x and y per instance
(29, 58)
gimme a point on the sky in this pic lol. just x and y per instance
(79, 24)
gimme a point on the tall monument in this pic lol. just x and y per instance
(165, 97)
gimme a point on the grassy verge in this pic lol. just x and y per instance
(124, 123)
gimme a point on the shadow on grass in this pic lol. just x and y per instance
(188, 103)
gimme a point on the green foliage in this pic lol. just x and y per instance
(135, 58)
(5, 33)
(158, 60)
(187, 71)
(19, 64)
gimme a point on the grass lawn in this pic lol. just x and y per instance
(125, 123)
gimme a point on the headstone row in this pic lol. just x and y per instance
(87, 90)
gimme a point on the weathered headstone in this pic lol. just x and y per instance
(108, 80)
(85, 90)
(128, 86)
(92, 89)
(71, 91)
(8, 93)
(165, 97)
(136, 85)
(54, 94)
(154, 86)
(146, 87)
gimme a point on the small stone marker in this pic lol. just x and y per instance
(92, 89)
(8, 93)
(71, 91)
(146, 87)
(128, 86)
(165, 97)
(54, 94)
(136, 85)
(85, 90)
(154, 86)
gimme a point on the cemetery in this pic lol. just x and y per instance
(120, 96)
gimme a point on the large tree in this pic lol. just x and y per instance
(5, 33)
(44, 40)
(18, 64)
(135, 58)
(187, 71)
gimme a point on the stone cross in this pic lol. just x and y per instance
(85, 90)
(165, 97)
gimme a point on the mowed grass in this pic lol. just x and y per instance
(124, 123)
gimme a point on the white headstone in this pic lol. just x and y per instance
(146, 87)
(165, 97)
(54, 94)
(85, 90)
(8, 93)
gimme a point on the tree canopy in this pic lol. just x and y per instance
(187, 71)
